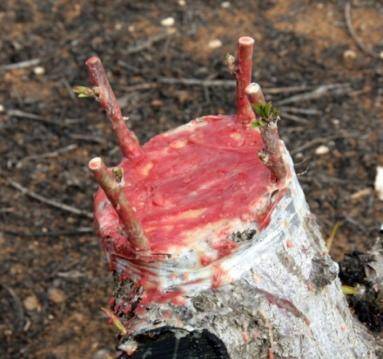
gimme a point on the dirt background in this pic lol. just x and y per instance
(53, 278)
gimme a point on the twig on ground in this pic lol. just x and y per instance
(88, 138)
(31, 116)
(20, 65)
(196, 82)
(141, 86)
(122, 101)
(228, 84)
(355, 223)
(314, 142)
(49, 154)
(319, 92)
(303, 111)
(7, 210)
(72, 274)
(17, 306)
(69, 232)
(69, 89)
(128, 66)
(355, 37)
(148, 43)
(294, 118)
(50, 202)
(285, 89)
(294, 129)
(22, 114)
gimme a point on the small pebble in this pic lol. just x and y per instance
(2, 108)
(129, 347)
(378, 184)
(31, 303)
(157, 103)
(381, 55)
(181, 2)
(215, 44)
(349, 55)
(56, 295)
(17, 269)
(225, 4)
(322, 150)
(167, 22)
(39, 70)
(118, 26)
(361, 193)
(102, 354)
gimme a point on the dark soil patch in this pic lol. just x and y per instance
(367, 305)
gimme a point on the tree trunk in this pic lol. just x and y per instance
(283, 299)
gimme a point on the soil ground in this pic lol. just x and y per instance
(53, 277)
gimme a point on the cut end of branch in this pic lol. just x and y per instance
(246, 41)
(93, 61)
(253, 88)
(95, 164)
(255, 94)
(243, 76)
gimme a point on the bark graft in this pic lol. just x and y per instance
(257, 285)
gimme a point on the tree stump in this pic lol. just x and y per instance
(214, 250)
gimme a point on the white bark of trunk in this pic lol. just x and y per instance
(283, 297)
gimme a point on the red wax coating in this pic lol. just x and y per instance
(188, 179)
(187, 190)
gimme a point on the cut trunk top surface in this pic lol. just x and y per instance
(201, 176)
(179, 200)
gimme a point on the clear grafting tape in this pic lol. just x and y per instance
(183, 271)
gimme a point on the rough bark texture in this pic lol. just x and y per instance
(285, 301)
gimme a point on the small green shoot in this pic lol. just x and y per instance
(230, 63)
(118, 173)
(348, 290)
(258, 123)
(266, 113)
(84, 92)
(115, 320)
(332, 235)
